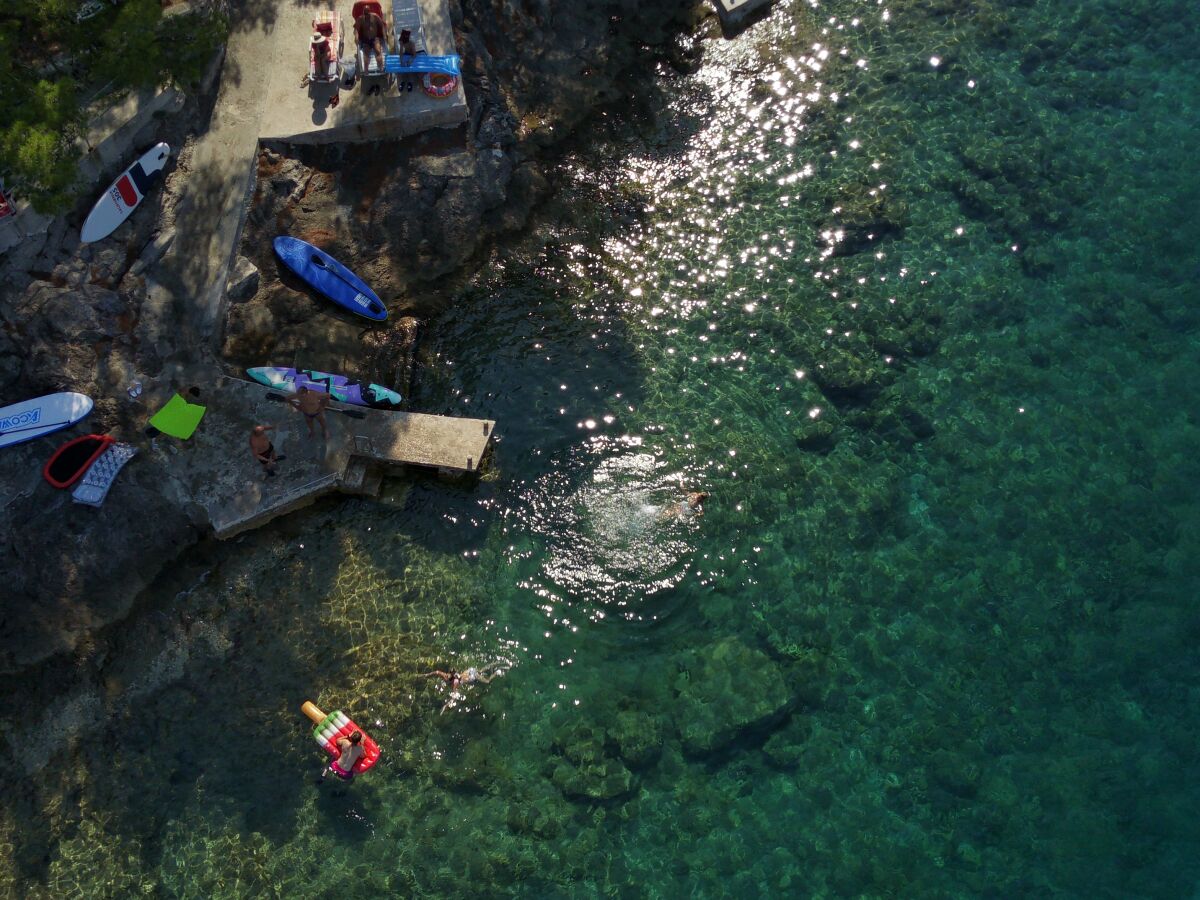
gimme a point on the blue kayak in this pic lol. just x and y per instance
(329, 277)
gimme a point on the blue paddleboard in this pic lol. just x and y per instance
(329, 277)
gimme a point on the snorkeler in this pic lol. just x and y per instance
(456, 679)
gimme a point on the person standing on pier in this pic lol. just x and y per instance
(263, 449)
(313, 404)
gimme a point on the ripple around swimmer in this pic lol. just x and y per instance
(611, 545)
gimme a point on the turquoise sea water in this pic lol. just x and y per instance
(911, 289)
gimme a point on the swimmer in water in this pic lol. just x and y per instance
(690, 507)
(456, 679)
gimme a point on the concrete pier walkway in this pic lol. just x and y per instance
(260, 99)
(231, 487)
(297, 115)
(736, 13)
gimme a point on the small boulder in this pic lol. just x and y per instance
(586, 770)
(638, 737)
(243, 281)
(815, 435)
(785, 748)
(108, 267)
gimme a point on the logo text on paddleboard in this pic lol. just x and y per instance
(20, 420)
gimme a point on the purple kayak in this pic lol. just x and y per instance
(339, 387)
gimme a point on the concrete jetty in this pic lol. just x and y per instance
(298, 115)
(234, 493)
(736, 13)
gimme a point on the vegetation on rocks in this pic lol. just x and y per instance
(51, 65)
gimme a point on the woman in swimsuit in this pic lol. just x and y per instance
(456, 679)
(352, 751)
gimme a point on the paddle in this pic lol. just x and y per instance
(31, 427)
(352, 413)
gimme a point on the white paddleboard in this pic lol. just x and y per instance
(32, 419)
(123, 195)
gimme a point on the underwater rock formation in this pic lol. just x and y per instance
(724, 691)
(585, 769)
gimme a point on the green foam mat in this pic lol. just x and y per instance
(178, 418)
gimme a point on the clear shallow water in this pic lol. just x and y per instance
(935, 634)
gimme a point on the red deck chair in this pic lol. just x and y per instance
(367, 64)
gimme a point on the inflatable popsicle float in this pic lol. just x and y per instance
(328, 728)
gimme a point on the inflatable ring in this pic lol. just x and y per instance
(442, 88)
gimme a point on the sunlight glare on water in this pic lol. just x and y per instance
(909, 292)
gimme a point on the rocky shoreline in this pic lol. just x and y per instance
(411, 216)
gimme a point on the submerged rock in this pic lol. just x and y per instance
(815, 435)
(601, 779)
(785, 748)
(724, 691)
(586, 769)
(638, 737)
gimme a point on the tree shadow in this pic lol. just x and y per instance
(224, 717)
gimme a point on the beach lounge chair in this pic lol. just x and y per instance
(329, 24)
(368, 65)
(406, 16)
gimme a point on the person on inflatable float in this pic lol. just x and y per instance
(343, 766)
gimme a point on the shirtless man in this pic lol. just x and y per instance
(352, 750)
(313, 404)
(263, 449)
(370, 29)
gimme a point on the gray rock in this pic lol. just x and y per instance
(108, 266)
(153, 252)
(71, 273)
(243, 281)
(10, 362)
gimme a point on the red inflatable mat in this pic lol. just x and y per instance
(73, 458)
